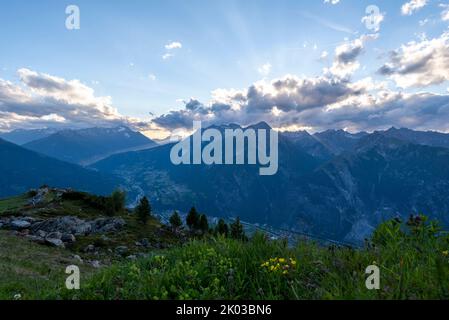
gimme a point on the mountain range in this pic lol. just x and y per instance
(22, 136)
(22, 170)
(85, 146)
(334, 184)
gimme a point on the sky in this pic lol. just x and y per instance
(157, 66)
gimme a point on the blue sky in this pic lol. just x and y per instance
(118, 52)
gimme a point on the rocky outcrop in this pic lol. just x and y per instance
(60, 231)
(79, 227)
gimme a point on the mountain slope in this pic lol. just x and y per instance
(383, 178)
(374, 178)
(87, 145)
(21, 136)
(309, 143)
(338, 141)
(219, 190)
(21, 170)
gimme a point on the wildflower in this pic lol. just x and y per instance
(446, 253)
(282, 266)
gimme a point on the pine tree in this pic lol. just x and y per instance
(203, 224)
(237, 230)
(143, 210)
(192, 219)
(222, 228)
(175, 221)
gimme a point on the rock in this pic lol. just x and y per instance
(68, 237)
(41, 234)
(1, 225)
(77, 257)
(19, 224)
(95, 263)
(79, 227)
(89, 248)
(29, 219)
(54, 235)
(82, 229)
(24, 232)
(121, 250)
(66, 224)
(106, 225)
(36, 239)
(132, 257)
(55, 242)
(145, 242)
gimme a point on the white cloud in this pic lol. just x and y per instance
(315, 103)
(265, 69)
(332, 1)
(419, 64)
(45, 100)
(345, 61)
(423, 22)
(445, 12)
(412, 6)
(167, 56)
(324, 55)
(173, 45)
(152, 77)
(170, 47)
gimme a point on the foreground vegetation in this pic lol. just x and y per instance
(195, 260)
(412, 257)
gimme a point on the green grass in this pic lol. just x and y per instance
(31, 270)
(412, 261)
(12, 204)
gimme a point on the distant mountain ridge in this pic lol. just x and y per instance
(22, 169)
(21, 136)
(84, 146)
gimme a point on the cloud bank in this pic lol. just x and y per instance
(42, 100)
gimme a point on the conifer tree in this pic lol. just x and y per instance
(143, 210)
(175, 221)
